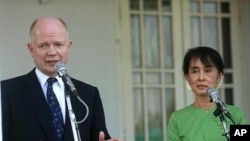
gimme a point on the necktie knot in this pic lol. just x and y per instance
(51, 80)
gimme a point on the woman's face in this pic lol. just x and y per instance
(201, 77)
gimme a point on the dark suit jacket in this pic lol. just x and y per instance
(26, 115)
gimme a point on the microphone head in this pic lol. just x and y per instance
(210, 91)
(59, 66)
(60, 69)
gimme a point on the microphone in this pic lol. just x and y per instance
(62, 72)
(213, 94)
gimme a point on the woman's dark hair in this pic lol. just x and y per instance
(207, 55)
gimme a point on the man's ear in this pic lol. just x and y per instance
(30, 48)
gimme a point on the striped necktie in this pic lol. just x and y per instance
(55, 109)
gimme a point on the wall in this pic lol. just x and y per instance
(91, 26)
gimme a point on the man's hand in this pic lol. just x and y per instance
(102, 137)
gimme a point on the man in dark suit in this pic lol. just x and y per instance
(26, 114)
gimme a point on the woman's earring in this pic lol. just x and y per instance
(218, 85)
(188, 86)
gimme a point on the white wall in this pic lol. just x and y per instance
(91, 27)
(1, 44)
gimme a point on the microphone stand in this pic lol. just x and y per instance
(72, 116)
(219, 112)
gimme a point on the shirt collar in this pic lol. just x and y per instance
(42, 78)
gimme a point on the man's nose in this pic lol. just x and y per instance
(52, 49)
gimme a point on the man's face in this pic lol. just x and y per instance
(49, 46)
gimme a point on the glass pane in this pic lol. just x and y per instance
(134, 4)
(153, 78)
(194, 7)
(228, 78)
(138, 114)
(225, 7)
(150, 5)
(135, 41)
(151, 42)
(226, 33)
(169, 78)
(154, 114)
(166, 5)
(195, 31)
(210, 32)
(209, 7)
(137, 78)
(229, 96)
(170, 101)
(167, 41)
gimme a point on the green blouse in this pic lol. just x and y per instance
(195, 124)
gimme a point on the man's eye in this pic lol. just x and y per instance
(43, 46)
(59, 45)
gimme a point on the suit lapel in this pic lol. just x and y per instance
(37, 100)
(35, 96)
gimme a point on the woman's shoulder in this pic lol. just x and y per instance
(237, 114)
(233, 108)
(184, 111)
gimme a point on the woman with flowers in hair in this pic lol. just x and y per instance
(203, 68)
